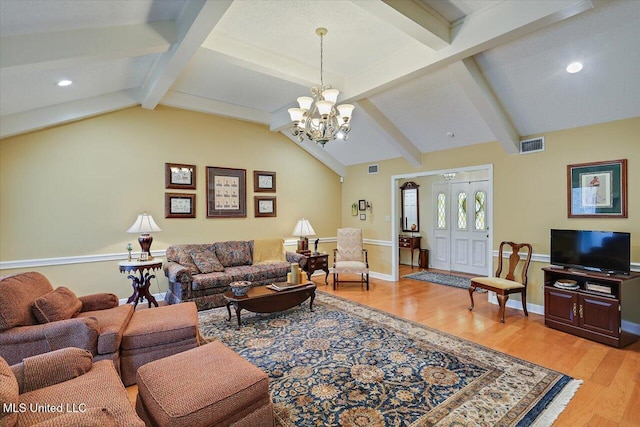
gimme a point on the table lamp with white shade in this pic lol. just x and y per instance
(144, 225)
(303, 229)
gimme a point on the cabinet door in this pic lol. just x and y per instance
(561, 306)
(600, 315)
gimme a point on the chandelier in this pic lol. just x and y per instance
(318, 118)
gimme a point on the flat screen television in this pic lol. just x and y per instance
(601, 251)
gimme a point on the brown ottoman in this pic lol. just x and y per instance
(208, 386)
(154, 333)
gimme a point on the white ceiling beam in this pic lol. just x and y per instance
(46, 50)
(495, 26)
(319, 154)
(14, 124)
(194, 24)
(210, 106)
(412, 18)
(481, 95)
(262, 61)
(407, 149)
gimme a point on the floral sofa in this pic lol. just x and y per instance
(202, 272)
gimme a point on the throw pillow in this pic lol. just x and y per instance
(59, 304)
(17, 292)
(268, 250)
(9, 394)
(234, 253)
(206, 261)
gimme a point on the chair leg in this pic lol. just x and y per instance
(367, 281)
(502, 300)
(471, 289)
(335, 281)
(524, 303)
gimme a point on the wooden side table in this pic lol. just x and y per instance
(317, 262)
(141, 284)
(409, 242)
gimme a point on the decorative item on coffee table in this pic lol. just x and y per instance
(241, 288)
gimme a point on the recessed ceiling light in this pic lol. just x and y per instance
(574, 67)
(63, 83)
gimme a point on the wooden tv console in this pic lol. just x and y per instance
(591, 314)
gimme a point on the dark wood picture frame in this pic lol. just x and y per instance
(362, 205)
(597, 189)
(179, 176)
(226, 192)
(179, 205)
(265, 206)
(264, 182)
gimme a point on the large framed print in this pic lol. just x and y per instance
(597, 190)
(264, 182)
(265, 206)
(226, 192)
(179, 176)
(178, 205)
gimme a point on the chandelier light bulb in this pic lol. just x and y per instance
(305, 102)
(331, 95)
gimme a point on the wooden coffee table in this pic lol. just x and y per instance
(264, 300)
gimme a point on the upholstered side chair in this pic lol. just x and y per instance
(350, 257)
(503, 287)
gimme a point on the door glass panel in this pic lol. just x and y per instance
(442, 211)
(481, 198)
(462, 210)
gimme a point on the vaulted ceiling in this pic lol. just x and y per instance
(424, 75)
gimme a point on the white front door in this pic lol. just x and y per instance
(469, 245)
(440, 246)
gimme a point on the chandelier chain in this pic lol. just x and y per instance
(321, 61)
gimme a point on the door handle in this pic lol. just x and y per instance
(581, 312)
(574, 309)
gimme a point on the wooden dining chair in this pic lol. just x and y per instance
(503, 287)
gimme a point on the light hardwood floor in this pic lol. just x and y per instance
(610, 394)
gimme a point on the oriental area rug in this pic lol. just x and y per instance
(345, 364)
(443, 279)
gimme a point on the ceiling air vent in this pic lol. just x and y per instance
(371, 169)
(532, 145)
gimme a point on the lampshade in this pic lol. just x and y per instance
(144, 224)
(303, 229)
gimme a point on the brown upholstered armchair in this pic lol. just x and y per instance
(36, 319)
(64, 388)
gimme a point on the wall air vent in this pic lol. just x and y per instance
(532, 145)
(371, 169)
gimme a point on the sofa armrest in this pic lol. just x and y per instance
(296, 258)
(177, 273)
(51, 368)
(103, 301)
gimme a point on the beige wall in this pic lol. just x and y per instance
(530, 193)
(73, 190)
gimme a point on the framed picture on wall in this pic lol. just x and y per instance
(264, 182)
(597, 189)
(179, 176)
(226, 192)
(178, 205)
(265, 206)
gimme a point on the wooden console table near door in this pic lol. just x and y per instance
(141, 284)
(409, 242)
